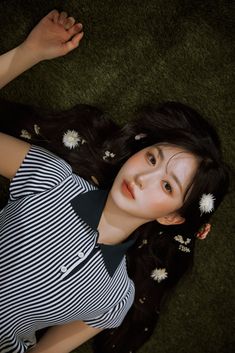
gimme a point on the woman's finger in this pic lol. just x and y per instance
(73, 43)
(75, 29)
(69, 22)
(62, 17)
(53, 15)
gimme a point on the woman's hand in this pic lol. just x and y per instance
(55, 35)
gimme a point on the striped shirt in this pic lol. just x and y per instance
(53, 270)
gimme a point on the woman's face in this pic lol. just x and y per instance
(153, 182)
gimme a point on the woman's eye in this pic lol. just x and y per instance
(151, 158)
(167, 187)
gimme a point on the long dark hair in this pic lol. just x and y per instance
(157, 247)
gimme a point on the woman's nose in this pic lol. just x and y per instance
(145, 179)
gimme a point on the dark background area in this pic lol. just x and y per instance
(135, 52)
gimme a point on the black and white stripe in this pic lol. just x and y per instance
(52, 269)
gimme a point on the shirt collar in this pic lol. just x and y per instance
(89, 206)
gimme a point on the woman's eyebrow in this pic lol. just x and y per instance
(162, 158)
(160, 153)
(177, 182)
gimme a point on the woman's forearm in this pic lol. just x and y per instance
(65, 338)
(55, 35)
(15, 62)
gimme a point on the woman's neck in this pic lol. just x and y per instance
(115, 226)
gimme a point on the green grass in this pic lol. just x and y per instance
(135, 52)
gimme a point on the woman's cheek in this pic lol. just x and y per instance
(158, 205)
(134, 161)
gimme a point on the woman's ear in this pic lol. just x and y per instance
(205, 229)
(173, 218)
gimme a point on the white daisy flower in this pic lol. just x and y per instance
(159, 274)
(206, 203)
(71, 139)
(25, 134)
(36, 129)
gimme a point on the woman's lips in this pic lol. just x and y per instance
(127, 190)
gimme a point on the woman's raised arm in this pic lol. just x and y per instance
(55, 35)
(12, 154)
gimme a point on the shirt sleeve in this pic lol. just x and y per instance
(40, 171)
(115, 316)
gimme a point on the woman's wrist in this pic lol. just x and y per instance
(29, 54)
(15, 62)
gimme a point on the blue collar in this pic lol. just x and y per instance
(89, 206)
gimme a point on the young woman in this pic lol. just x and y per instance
(148, 189)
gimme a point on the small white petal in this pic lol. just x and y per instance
(159, 274)
(140, 136)
(25, 134)
(36, 129)
(179, 238)
(108, 154)
(184, 248)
